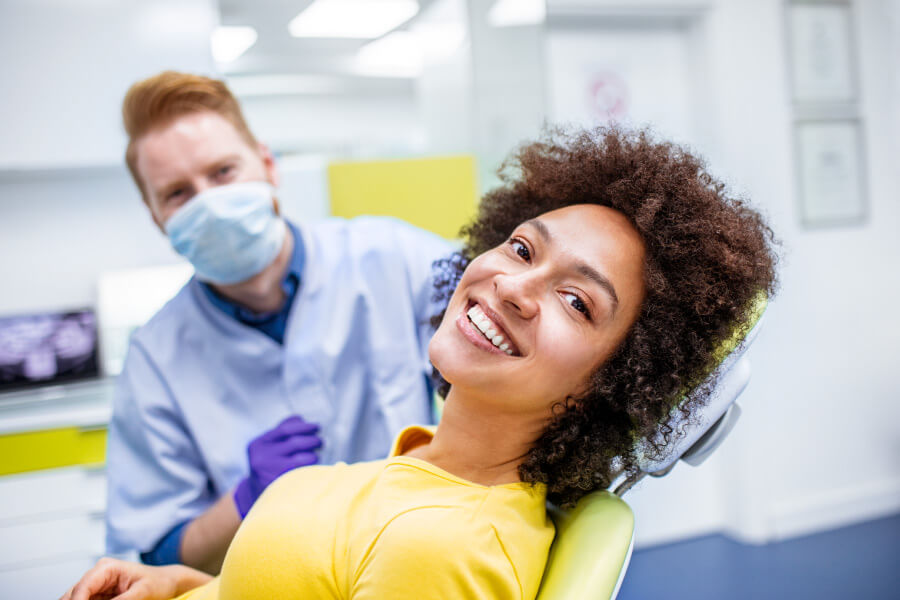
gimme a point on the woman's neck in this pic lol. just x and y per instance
(479, 444)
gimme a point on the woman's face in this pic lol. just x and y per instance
(556, 300)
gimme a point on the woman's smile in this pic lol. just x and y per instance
(485, 331)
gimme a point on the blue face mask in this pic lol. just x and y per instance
(229, 233)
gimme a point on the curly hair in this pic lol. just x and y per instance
(708, 255)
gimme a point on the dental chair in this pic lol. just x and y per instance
(594, 540)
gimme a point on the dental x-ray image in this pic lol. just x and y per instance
(47, 348)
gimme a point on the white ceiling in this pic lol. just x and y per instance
(277, 52)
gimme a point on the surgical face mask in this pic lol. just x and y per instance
(229, 233)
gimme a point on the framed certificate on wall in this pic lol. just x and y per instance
(830, 172)
(822, 55)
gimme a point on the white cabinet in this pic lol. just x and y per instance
(44, 581)
(51, 530)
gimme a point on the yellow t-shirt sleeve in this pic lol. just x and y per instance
(436, 553)
(207, 591)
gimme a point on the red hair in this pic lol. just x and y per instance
(157, 101)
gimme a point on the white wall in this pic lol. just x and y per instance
(818, 445)
(837, 399)
(361, 125)
(68, 209)
(66, 66)
(58, 232)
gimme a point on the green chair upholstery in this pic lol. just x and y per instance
(591, 550)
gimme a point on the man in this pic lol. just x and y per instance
(291, 344)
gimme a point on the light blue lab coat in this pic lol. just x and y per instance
(198, 385)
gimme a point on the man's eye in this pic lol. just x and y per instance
(174, 194)
(520, 249)
(577, 303)
(225, 170)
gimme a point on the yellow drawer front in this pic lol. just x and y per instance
(50, 449)
(437, 194)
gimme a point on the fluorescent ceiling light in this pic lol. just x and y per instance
(364, 19)
(511, 13)
(228, 43)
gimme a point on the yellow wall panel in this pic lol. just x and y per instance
(50, 449)
(437, 194)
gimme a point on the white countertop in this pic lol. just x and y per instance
(87, 405)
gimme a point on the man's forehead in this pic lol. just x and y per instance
(190, 142)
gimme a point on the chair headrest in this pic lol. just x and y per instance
(733, 373)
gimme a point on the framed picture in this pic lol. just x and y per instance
(830, 172)
(822, 55)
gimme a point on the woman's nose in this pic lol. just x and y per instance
(519, 293)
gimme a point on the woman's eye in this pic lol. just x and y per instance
(224, 170)
(520, 249)
(577, 303)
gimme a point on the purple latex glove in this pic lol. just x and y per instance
(289, 445)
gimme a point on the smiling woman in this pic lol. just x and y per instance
(704, 254)
(592, 291)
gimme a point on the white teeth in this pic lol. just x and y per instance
(480, 320)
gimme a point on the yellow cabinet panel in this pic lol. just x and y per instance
(50, 449)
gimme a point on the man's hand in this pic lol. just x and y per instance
(122, 580)
(289, 445)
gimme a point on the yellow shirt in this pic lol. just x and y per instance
(392, 529)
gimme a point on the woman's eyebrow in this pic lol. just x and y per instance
(584, 269)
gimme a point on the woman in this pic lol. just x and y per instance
(593, 290)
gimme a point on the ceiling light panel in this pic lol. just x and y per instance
(361, 19)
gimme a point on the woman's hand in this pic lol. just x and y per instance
(111, 578)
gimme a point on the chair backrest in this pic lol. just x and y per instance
(591, 550)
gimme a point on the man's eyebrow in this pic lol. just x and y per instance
(582, 268)
(166, 189)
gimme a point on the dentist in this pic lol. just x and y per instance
(292, 344)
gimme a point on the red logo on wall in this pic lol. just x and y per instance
(607, 96)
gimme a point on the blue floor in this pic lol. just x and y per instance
(857, 562)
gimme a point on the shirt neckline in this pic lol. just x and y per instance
(407, 439)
